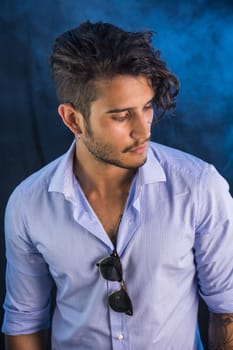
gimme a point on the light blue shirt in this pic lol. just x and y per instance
(175, 241)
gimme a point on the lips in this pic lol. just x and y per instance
(139, 149)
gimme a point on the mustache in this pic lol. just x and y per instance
(136, 144)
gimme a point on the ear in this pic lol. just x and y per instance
(70, 117)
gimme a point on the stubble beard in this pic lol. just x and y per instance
(104, 153)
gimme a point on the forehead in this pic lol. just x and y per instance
(123, 90)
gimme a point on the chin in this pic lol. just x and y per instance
(135, 165)
(124, 164)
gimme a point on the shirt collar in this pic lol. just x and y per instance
(152, 171)
(63, 179)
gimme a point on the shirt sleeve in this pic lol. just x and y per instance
(28, 282)
(214, 242)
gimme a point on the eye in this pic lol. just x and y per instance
(121, 118)
(149, 106)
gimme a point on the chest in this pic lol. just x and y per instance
(109, 214)
(155, 225)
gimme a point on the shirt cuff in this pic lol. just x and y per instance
(219, 303)
(17, 322)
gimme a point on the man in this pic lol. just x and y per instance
(129, 231)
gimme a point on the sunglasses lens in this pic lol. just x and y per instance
(110, 268)
(120, 302)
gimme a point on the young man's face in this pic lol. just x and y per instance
(120, 120)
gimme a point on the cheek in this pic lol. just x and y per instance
(115, 130)
(149, 116)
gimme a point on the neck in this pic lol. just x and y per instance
(102, 179)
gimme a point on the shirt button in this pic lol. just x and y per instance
(120, 337)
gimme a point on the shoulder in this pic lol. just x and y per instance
(176, 160)
(35, 184)
(187, 169)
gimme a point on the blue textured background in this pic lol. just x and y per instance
(195, 39)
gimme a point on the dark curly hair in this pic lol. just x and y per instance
(95, 51)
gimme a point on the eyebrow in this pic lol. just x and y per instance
(119, 110)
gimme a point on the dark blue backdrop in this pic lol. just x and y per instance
(195, 38)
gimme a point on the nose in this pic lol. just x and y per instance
(141, 128)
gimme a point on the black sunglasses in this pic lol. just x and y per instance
(110, 269)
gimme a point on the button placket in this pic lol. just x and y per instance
(117, 323)
(119, 337)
